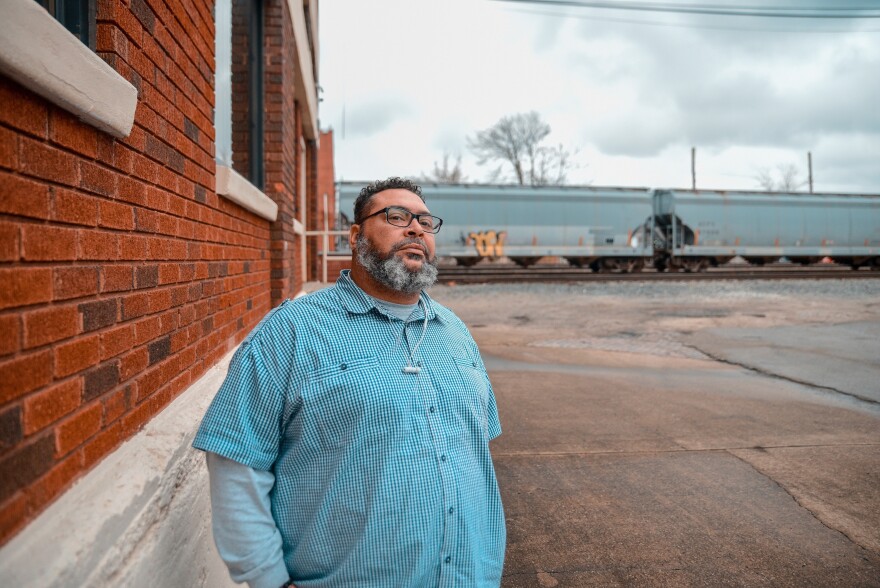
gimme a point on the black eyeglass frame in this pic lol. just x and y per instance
(436, 219)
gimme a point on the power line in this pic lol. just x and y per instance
(716, 10)
(684, 25)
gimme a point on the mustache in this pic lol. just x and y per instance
(410, 241)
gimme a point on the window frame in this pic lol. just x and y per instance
(80, 17)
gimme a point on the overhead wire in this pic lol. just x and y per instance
(687, 25)
(819, 12)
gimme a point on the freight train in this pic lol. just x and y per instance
(627, 229)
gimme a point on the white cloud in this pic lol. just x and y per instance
(416, 77)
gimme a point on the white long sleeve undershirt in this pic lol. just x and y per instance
(244, 530)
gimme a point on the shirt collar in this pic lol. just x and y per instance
(356, 301)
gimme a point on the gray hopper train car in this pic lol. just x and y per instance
(693, 229)
(625, 229)
(585, 225)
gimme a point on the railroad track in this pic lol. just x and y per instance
(565, 273)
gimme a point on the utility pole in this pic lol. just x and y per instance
(694, 169)
(810, 169)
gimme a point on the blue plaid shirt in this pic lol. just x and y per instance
(382, 478)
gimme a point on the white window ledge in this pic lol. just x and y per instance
(40, 54)
(235, 187)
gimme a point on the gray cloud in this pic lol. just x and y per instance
(850, 161)
(642, 135)
(699, 87)
(374, 116)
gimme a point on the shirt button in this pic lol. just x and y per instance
(432, 409)
(342, 366)
(448, 559)
(451, 510)
(442, 458)
(474, 364)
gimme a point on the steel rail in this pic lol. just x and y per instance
(562, 273)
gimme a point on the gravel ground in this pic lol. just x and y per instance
(684, 291)
(650, 318)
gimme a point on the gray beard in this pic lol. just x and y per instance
(391, 271)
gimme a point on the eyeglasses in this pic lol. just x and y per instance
(401, 217)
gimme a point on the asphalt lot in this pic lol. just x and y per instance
(699, 438)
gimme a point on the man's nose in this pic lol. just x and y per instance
(415, 228)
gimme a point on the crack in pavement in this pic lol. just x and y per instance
(726, 450)
(798, 502)
(873, 404)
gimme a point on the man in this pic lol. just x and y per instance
(348, 445)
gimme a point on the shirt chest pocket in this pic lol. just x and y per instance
(349, 402)
(470, 391)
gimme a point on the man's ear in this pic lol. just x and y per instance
(353, 233)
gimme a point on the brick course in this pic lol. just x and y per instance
(123, 275)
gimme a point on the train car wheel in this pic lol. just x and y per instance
(694, 265)
(632, 266)
(674, 265)
(613, 265)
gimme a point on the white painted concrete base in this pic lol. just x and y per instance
(141, 518)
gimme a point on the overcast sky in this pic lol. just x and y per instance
(406, 80)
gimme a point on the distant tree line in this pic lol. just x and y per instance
(517, 149)
(785, 179)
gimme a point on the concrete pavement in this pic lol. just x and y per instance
(734, 446)
(668, 479)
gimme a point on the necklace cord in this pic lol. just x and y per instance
(424, 330)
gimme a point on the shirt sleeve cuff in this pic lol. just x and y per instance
(272, 577)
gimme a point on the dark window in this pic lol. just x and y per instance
(77, 16)
(245, 143)
(255, 94)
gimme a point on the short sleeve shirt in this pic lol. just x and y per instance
(383, 475)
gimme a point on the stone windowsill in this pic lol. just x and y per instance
(40, 54)
(235, 187)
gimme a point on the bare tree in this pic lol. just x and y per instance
(786, 178)
(553, 166)
(446, 174)
(517, 141)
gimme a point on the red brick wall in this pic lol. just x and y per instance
(326, 181)
(336, 265)
(282, 150)
(324, 184)
(123, 276)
